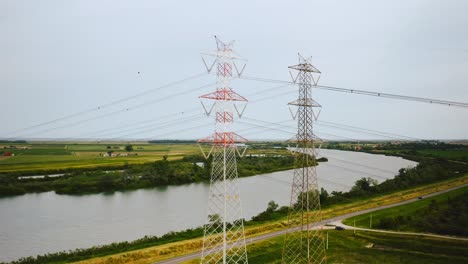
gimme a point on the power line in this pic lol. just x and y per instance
(96, 108)
(363, 92)
(341, 127)
(112, 130)
(392, 135)
(123, 110)
(153, 125)
(184, 121)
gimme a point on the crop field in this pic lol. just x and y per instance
(61, 156)
(49, 156)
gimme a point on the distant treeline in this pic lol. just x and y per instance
(425, 172)
(13, 141)
(190, 169)
(172, 141)
(409, 150)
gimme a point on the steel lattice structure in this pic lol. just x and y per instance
(224, 239)
(302, 244)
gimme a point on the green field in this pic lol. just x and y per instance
(367, 247)
(414, 150)
(415, 213)
(61, 156)
(448, 154)
(50, 156)
(364, 247)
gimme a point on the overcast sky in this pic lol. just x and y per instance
(60, 57)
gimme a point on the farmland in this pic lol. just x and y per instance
(37, 157)
(107, 167)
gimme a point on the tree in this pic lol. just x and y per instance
(272, 206)
(129, 148)
(364, 184)
(323, 195)
(214, 218)
(308, 200)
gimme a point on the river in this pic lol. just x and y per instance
(34, 224)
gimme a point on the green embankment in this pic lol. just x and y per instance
(149, 252)
(445, 214)
(344, 247)
(189, 169)
(366, 247)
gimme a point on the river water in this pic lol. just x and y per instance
(34, 224)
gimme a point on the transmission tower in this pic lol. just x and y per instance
(302, 244)
(224, 239)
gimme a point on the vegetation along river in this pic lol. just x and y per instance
(34, 224)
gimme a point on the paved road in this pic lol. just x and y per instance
(403, 233)
(335, 220)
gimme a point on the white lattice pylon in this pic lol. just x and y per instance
(302, 244)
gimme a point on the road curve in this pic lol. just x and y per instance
(335, 220)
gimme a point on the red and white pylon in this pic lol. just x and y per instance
(224, 239)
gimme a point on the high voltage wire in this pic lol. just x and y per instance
(173, 132)
(155, 125)
(266, 128)
(358, 171)
(329, 124)
(363, 92)
(99, 107)
(361, 165)
(127, 108)
(123, 110)
(259, 92)
(146, 122)
(283, 84)
(288, 184)
(185, 121)
(132, 108)
(142, 123)
(253, 126)
(398, 136)
(356, 130)
(342, 127)
(158, 125)
(290, 133)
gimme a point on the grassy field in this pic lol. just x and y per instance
(158, 253)
(411, 210)
(448, 154)
(60, 156)
(366, 247)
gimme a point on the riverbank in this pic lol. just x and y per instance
(89, 210)
(170, 250)
(155, 253)
(165, 172)
(104, 218)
